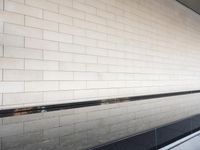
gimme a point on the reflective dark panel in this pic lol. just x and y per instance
(173, 132)
(196, 123)
(140, 142)
(109, 127)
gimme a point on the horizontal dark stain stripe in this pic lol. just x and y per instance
(47, 108)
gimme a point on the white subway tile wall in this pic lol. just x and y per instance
(60, 51)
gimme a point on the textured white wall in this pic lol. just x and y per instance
(58, 51)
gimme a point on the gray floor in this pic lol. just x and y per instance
(192, 144)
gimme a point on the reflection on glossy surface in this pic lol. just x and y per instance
(56, 107)
(156, 138)
(139, 142)
(71, 129)
(83, 128)
(172, 132)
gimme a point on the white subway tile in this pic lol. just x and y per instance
(41, 86)
(92, 49)
(84, 24)
(58, 96)
(11, 63)
(114, 53)
(72, 48)
(109, 76)
(84, 7)
(106, 14)
(59, 56)
(23, 9)
(85, 58)
(55, 75)
(1, 27)
(10, 87)
(85, 76)
(106, 45)
(1, 75)
(107, 92)
(66, 66)
(1, 4)
(97, 84)
(23, 31)
(95, 19)
(115, 24)
(96, 51)
(22, 98)
(85, 94)
(63, 2)
(41, 44)
(18, 1)
(97, 68)
(16, 52)
(116, 84)
(41, 65)
(55, 36)
(43, 4)
(70, 85)
(11, 40)
(57, 18)
(84, 41)
(40, 23)
(96, 35)
(71, 30)
(11, 17)
(71, 12)
(97, 4)
(22, 75)
(1, 50)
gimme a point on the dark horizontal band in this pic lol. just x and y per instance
(156, 138)
(47, 108)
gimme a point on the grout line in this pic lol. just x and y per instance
(156, 139)
(3, 5)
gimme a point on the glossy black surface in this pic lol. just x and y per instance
(138, 142)
(48, 108)
(82, 129)
(156, 138)
(196, 123)
(173, 132)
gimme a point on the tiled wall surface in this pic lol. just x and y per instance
(77, 129)
(59, 51)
